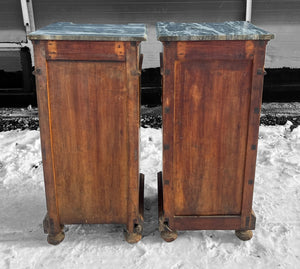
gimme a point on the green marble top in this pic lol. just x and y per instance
(92, 32)
(233, 30)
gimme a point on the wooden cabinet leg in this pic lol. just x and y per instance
(54, 238)
(133, 234)
(134, 237)
(244, 234)
(168, 236)
(166, 232)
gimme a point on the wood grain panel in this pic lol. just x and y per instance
(88, 102)
(210, 134)
(207, 222)
(85, 50)
(219, 50)
(211, 107)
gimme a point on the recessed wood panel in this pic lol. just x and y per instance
(85, 50)
(217, 50)
(88, 102)
(211, 111)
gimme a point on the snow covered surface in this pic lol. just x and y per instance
(275, 244)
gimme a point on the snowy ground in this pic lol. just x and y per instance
(275, 244)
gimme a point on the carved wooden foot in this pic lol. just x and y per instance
(244, 234)
(53, 238)
(134, 237)
(168, 236)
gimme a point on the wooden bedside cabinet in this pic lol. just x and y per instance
(212, 91)
(88, 88)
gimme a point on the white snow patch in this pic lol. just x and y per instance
(275, 244)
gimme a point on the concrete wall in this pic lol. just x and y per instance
(283, 19)
(11, 30)
(278, 16)
(11, 21)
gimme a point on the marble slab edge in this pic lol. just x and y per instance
(208, 38)
(231, 30)
(91, 32)
(87, 38)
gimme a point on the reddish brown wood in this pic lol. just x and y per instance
(54, 225)
(227, 222)
(85, 50)
(211, 50)
(167, 115)
(88, 95)
(133, 114)
(210, 149)
(253, 128)
(211, 101)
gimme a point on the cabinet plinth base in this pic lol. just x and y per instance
(244, 234)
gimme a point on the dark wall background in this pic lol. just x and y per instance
(11, 30)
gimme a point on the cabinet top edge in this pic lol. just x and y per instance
(231, 30)
(91, 32)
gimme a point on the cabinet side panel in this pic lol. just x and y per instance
(89, 125)
(210, 134)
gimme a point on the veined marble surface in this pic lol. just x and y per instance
(232, 30)
(92, 32)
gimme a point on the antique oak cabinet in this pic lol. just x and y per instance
(88, 89)
(212, 90)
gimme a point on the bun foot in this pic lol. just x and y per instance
(168, 236)
(56, 239)
(134, 237)
(53, 238)
(244, 234)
